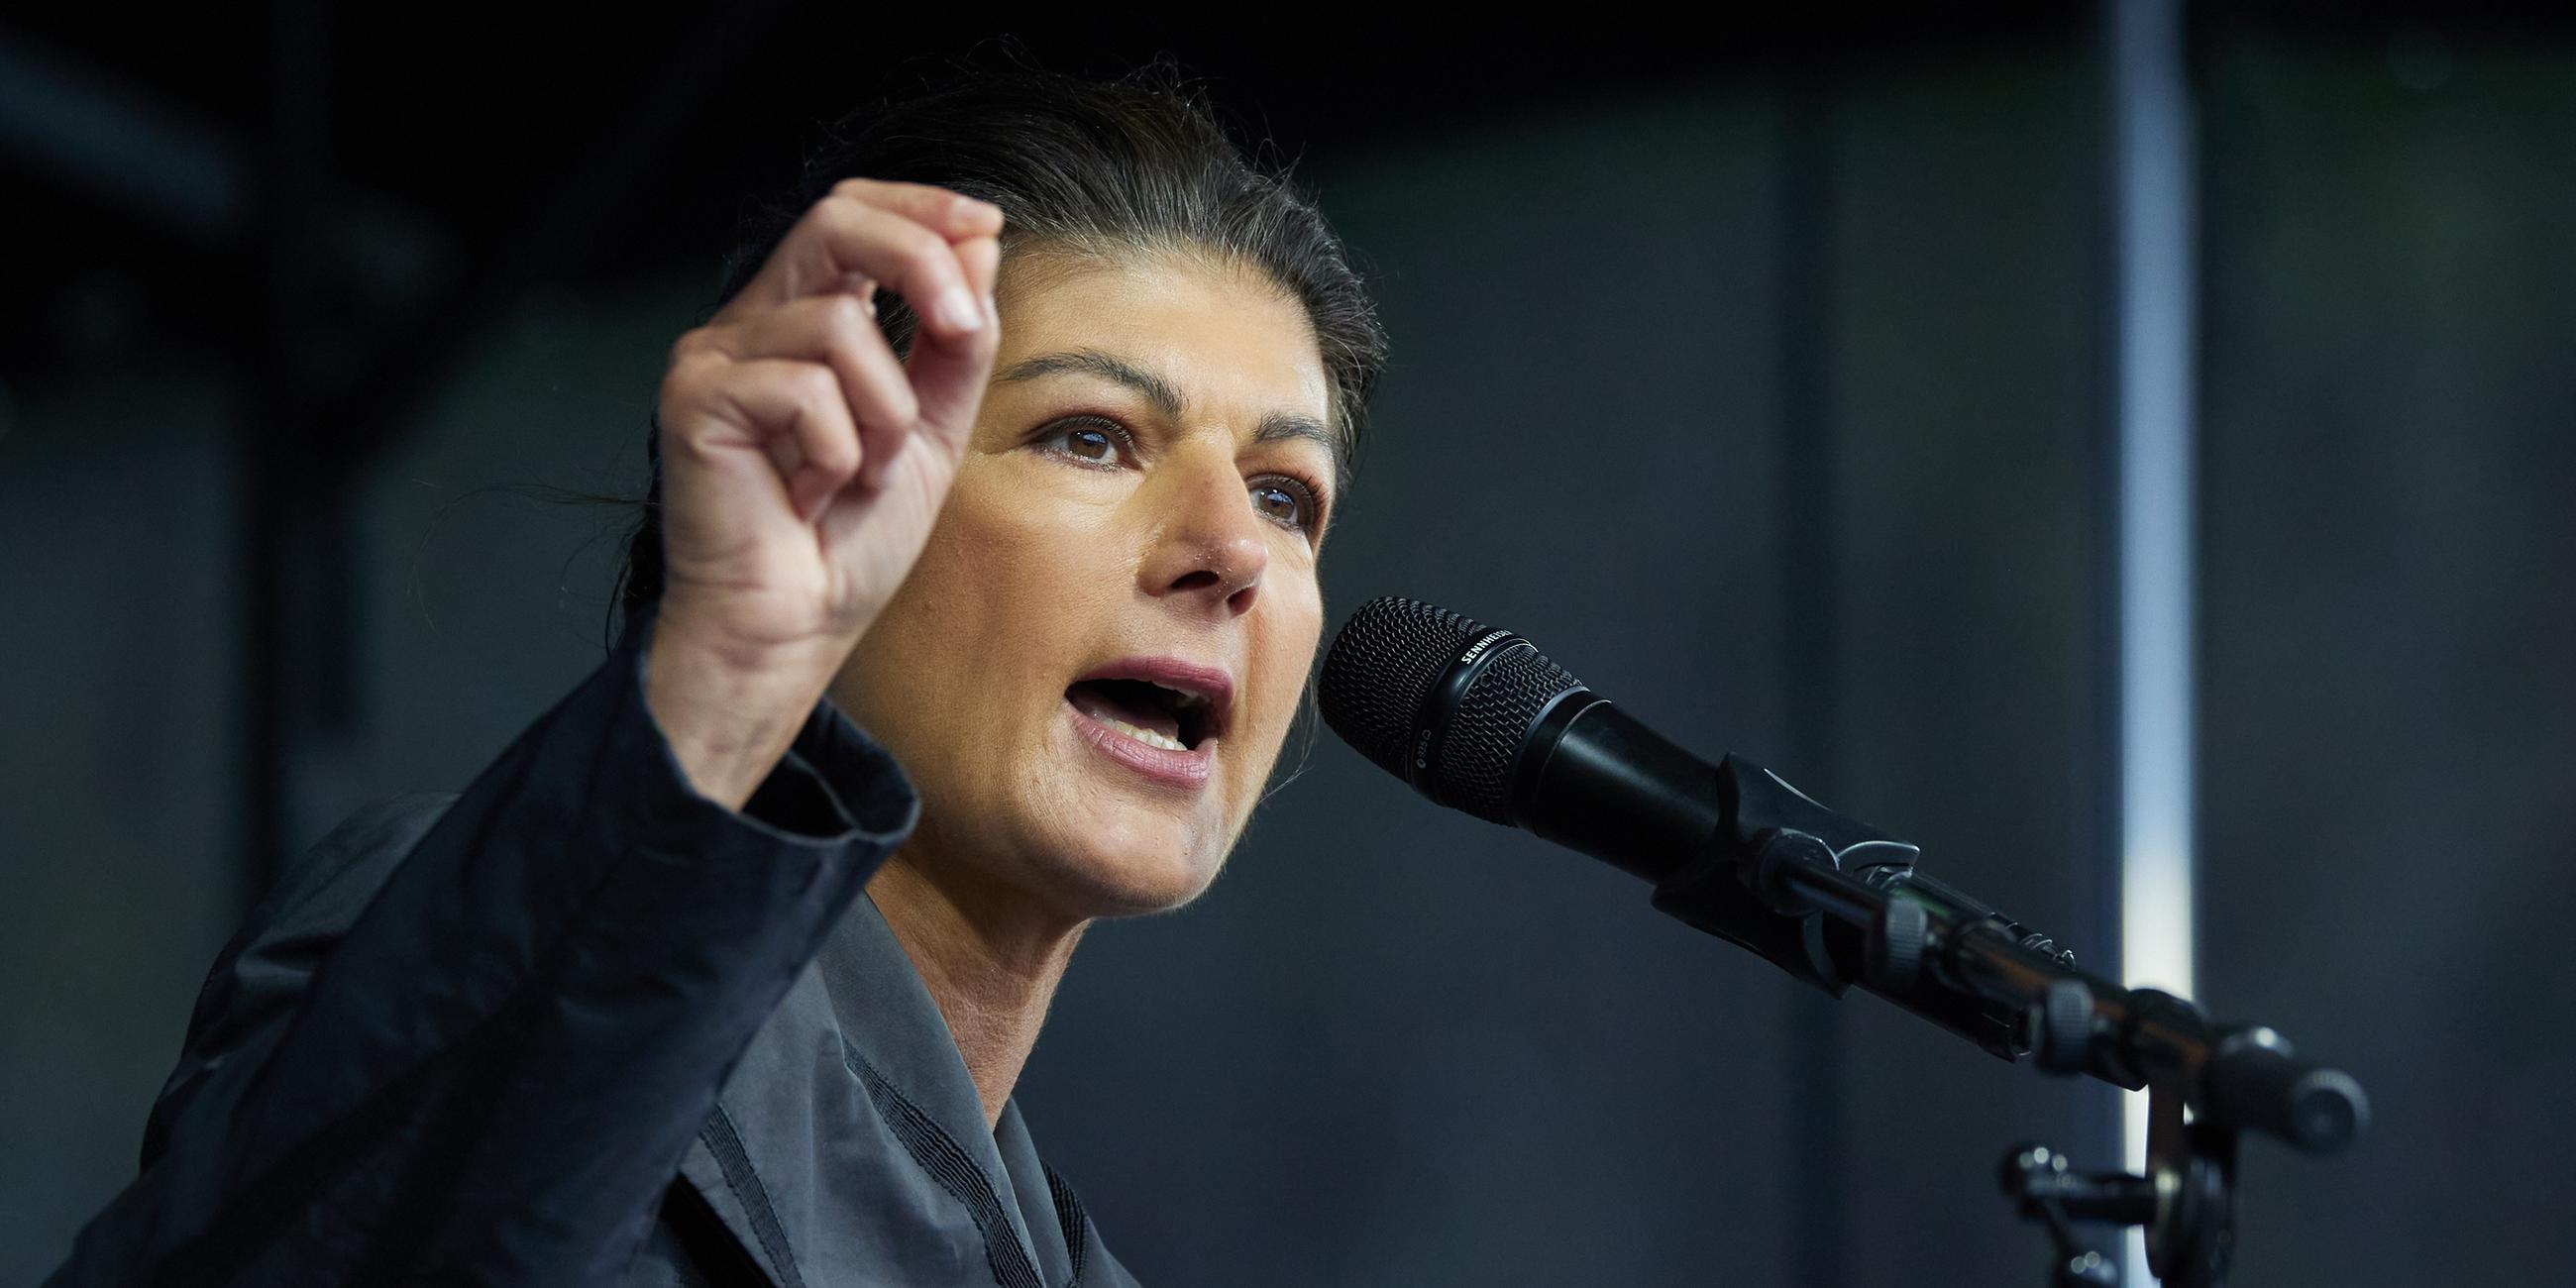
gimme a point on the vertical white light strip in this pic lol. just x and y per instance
(2153, 214)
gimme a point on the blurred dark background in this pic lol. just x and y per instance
(1763, 375)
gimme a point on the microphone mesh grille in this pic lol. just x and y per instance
(1379, 675)
(1474, 769)
(1380, 671)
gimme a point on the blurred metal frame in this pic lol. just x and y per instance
(2155, 304)
(307, 434)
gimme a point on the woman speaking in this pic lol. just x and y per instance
(975, 596)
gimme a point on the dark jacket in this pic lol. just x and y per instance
(581, 1025)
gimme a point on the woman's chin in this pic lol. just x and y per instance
(1128, 872)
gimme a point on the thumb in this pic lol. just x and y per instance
(949, 373)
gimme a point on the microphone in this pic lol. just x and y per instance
(1479, 720)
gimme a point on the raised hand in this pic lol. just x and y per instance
(803, 465)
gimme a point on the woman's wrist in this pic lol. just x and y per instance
(730, 714)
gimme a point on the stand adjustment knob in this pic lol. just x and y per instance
(1895, 950)
(2066, 1027)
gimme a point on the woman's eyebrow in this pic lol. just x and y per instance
(1278, 426)
(1165, 397)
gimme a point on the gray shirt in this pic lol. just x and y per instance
(849, 1146)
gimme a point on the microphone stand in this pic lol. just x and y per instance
(1838, 903)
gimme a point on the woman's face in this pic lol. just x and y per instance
(1091, 669)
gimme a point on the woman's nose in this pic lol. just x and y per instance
(1208, 548)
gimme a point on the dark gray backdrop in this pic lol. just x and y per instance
(1396, 1046)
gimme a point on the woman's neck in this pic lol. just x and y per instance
(991, 963)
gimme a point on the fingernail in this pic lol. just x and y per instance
(957, 309)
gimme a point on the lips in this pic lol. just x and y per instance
(1161, 717)
(1181, 699)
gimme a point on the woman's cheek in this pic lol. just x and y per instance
(1284, 658)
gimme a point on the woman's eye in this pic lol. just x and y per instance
(1285, 501)
(1086, 443)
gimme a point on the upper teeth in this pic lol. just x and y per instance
(1145, 736)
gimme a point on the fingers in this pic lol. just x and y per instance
(840, 333)
(903, 235)
(810, 307)
(954, 214)
(819, 451)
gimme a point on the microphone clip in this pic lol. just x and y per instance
(1745, 885)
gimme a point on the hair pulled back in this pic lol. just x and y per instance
(1085, 168)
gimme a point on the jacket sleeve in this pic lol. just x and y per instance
(469, 1042)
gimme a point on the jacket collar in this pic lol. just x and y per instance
(858, 1033)
(886, 1012)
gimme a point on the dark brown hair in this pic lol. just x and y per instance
(1090, 168)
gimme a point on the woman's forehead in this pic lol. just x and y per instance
(1219, 340)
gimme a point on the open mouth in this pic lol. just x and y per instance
(1145, 711)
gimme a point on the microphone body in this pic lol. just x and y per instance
(1593, 778)
(1479, 720)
